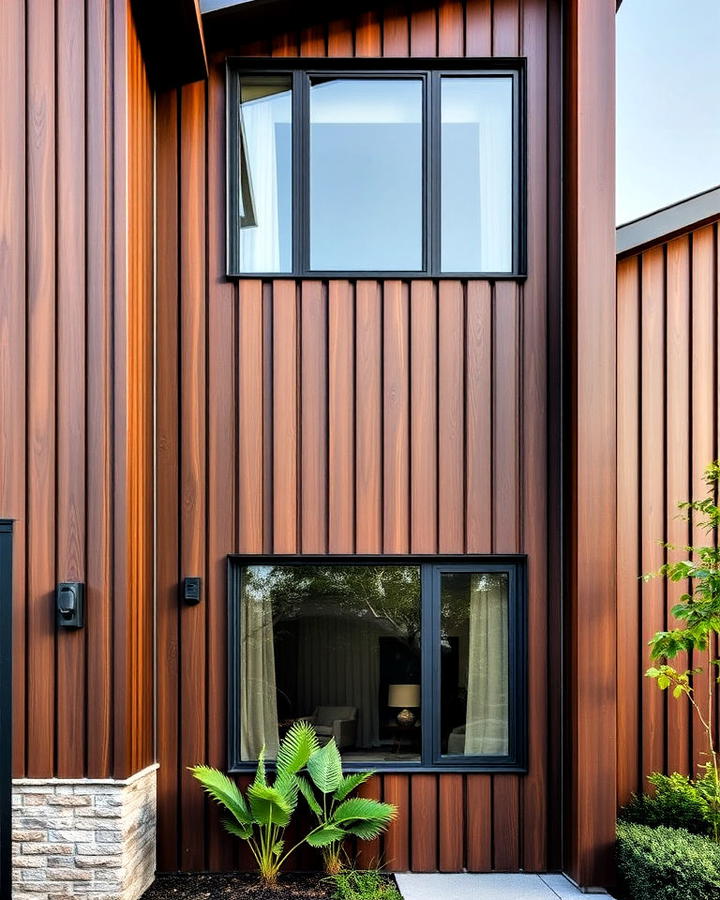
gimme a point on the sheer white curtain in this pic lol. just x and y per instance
(258, 712)
(486, 731)
(260, 243)
(339, 665)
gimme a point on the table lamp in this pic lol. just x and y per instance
(403, 696)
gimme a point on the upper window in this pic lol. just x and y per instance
(404, 663)
(358, 172)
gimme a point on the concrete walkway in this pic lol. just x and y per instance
(488, 887)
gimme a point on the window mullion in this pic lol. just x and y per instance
(429, 646)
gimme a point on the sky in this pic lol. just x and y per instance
(668, 103)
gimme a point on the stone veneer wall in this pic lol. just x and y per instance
(84, 837)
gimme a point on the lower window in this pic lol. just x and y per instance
(403, 662)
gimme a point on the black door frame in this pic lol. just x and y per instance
(6, 534)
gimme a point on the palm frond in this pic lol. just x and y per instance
(241, 831)
(260, 771)
(350, 782)
(366, 831)
(309, 795)
(223, 790)
(268, 806)
(364, 809)
(330, 834)
(296, 748)
(325, 768)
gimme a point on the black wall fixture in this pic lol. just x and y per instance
(70, 604)
(6, 533)
(192, 591)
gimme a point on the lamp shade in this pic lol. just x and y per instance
(404, 695)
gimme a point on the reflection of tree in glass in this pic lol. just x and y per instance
(456, 592)
(391, 593)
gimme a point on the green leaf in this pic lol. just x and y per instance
(260, 771)
(678, 691)
(224, 791)
(307, 792)
(366, 831)
(268, 805)
(241, 831)
(286, 785)
(364, 809)
(329, 834)
(296, 748)
(350, 783)
(325, 768)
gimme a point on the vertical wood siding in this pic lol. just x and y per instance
(76, 375)
(667, 340)
(354, 417)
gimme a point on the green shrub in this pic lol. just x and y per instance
(359, 885)
(678, 802)
(667, 863)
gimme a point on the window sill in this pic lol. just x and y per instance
(376, 276)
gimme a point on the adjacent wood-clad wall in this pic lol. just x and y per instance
(76, 375)
(667, 302)
(590, 335)
(368, 417)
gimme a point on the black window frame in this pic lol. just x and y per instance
(431, 71)
(431, 569)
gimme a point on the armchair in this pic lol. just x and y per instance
(339, 722)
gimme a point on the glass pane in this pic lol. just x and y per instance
(265, 201)
(474, 664)
(477, 174)
(338, 646)
(366, 162)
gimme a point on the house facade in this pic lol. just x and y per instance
(308, 345)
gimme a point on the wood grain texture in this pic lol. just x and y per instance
(424, 823)
(75, 432)
(391, 416)
(667, 299)
(590, 298)
(13, 337)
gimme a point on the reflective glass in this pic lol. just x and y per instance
(474, 664)
(337, 646)
(265, 189)
(366, 168)
(477, 174)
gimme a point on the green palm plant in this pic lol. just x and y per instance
(338, 814)
(262, 816)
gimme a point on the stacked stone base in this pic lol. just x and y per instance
(84, 838)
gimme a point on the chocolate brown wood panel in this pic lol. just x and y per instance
(452, 816)
(423, 823)
(628, 532)
(76, 443)
(591, 477)
(372, 416)
(479, 832)
(313, 396)
(652, 356)
(71, 375)
(704, 394)
(396, 842)
(677, 466)
(368, 418)
(667, 413)
(13, 332)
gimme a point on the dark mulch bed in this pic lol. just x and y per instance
(238, 887)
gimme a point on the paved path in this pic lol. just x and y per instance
(488, 887)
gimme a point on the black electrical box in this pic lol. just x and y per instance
(70, 604)
(191, 590)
